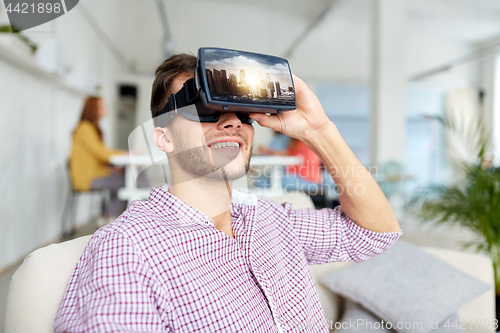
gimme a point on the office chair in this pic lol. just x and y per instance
(71, 205)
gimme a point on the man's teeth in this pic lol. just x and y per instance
(225, 144)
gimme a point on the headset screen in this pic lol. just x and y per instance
(248, 78)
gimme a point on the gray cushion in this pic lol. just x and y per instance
(356, 319)
(406, 284)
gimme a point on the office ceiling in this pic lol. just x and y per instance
(339, 46)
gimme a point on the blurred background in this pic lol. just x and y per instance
(413, 86)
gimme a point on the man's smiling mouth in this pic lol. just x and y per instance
(225, 144)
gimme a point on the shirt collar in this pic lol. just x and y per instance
(169, 203)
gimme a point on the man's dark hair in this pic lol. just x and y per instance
(171, 68)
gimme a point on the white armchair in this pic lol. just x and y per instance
(476, 265)
(37, 287)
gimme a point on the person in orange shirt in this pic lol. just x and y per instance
(310, 169)
(306, 176)
(89, 159)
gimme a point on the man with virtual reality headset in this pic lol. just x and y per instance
(200, 256)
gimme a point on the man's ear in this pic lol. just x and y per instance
(163, 139)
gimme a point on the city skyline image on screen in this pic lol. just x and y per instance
(244, 77)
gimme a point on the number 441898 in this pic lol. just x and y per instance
(25, 8)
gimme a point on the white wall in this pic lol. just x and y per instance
(38, 115)
(33, 143)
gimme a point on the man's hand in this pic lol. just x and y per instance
(361, 197)
(300, 123)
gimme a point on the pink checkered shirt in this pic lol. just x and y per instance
(163, 267)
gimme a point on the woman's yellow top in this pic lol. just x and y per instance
(89, 156)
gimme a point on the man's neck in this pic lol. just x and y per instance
(211, 197)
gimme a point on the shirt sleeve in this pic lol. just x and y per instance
(89, 139)
(329, 235)
(112, 290)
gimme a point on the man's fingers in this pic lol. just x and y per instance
(299, 85)
(264, 120)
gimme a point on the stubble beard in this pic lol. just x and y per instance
(198, 163)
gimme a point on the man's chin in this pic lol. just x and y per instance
(230, 172)
(234, 168)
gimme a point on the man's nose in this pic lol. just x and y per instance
(229, 120)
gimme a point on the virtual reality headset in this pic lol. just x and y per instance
(232, 81)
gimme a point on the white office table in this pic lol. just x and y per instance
(136, 162)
